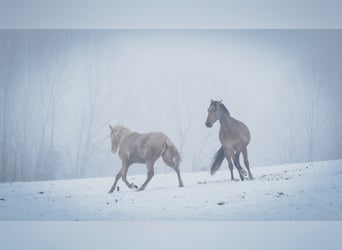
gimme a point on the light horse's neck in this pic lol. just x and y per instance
(122, 133)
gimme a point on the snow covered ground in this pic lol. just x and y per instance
(285, 192)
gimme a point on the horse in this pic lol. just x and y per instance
(234, 136)
(142, 148)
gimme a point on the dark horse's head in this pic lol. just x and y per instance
(215, 112)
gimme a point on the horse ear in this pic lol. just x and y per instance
(211, 101)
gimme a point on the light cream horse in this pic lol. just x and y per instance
(142, 148)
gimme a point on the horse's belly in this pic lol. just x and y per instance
(138, 160)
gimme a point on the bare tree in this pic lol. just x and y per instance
(52, 86)
(96, 68)
(315, 76)
(182, 115)
(198, 155)
(8, 64)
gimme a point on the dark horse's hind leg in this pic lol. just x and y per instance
(229, 157)
(238, 166)
(245, 159)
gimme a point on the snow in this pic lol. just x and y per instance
(302, 191)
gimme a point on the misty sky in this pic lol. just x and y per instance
(163, 80)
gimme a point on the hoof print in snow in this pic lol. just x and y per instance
(2, 199)
(202, 182)
(279, 194)
(107, 203)
(220, 203)
(41, 192)
(116, 200)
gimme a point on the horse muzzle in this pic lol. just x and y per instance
(208, 124)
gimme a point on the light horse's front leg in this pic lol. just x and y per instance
(122, 173)
(117, 178)
(150, 174)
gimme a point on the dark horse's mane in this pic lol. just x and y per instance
(221, 105)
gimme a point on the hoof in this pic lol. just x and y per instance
(243, 172)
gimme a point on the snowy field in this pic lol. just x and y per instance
(286, 192)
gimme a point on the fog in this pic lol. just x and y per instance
(60, 89)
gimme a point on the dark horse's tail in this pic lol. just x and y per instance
(218, 159)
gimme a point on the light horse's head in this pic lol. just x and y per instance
(215, 111)
(115, 136)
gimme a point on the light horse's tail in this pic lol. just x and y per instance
(171, 155)
(217, 162)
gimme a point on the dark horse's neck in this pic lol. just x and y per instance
(225, 117)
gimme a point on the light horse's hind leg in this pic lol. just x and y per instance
(245, 159)
(178, 176)
(169, 161)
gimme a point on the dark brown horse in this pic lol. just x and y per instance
(234, 137)
(142, 148)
